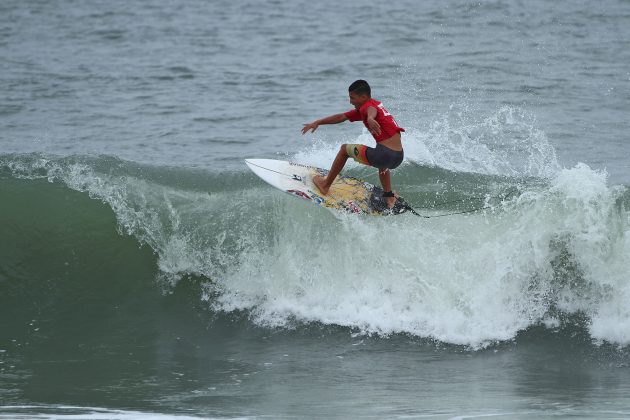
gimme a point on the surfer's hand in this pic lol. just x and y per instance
(374, 127)
(310, 126)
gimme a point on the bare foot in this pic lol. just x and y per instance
(320, 183)
(391, 201)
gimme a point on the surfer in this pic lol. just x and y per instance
(387, 154)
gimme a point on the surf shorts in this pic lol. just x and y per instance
(380, 157)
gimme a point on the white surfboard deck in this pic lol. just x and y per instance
(346, 194)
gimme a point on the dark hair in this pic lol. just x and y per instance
(360, 87)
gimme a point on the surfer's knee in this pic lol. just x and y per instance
(343, 150)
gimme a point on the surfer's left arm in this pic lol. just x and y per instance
(373, 126)
(333, 119)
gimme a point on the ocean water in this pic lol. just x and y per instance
(146, 273)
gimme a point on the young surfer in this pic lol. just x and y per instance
(388, 153)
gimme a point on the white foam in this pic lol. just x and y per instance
(468, 280)
(62, 412)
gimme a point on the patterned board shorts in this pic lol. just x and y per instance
(381, 157)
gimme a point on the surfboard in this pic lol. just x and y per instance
(346, 194)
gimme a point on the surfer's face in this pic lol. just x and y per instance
(358, 99)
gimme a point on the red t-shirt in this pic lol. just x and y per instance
(383, 118)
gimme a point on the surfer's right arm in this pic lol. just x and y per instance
(333, 119)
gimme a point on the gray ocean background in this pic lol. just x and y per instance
(146, 273)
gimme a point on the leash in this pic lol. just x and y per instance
(414, 212)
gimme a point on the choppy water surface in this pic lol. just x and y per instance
(145, 273)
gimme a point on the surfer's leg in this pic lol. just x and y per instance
(385, 159)
(324, 183)
(386, 179)
(386, 182)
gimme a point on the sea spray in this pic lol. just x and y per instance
(504, 143)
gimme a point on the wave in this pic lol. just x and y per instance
(556, 249)
(554, 252)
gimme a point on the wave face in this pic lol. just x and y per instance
(555, 252)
